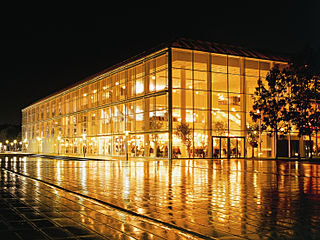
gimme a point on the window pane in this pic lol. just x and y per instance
(200, 144)
(161, 80)
(200, 80)
(251, 68)
(219, 123)
(235, 120)
(234, 102)
(176, 98)
(234, 83)
(200, 119)
(219, 63)
(139, 86)
(234, 65)
(200, 99)
(219, 82)
(182, 78)
(161, 62)
(219, 101)
(251, 84)
(188, 98)
(200, 61)
(182, 59)
(161, 102)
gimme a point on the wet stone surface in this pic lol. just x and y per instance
(218, 199)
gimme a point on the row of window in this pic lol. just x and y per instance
(201, 61)
(145, 77)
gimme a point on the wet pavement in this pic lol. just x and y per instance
(143, 199)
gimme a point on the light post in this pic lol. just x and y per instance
(7, 146)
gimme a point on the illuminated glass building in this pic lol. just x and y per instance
(134, 108)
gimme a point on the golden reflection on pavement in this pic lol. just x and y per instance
(216, 198)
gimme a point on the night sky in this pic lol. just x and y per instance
(48, 51)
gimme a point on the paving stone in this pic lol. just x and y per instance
(227, 199)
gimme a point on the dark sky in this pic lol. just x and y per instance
(50, 50)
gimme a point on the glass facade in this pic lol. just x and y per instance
(136, 109)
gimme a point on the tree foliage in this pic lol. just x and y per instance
(253, 136)
(304, 101)
(288, 98)
(270, 106)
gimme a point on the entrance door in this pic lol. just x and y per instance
(228, 147)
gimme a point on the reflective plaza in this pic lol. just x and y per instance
(224, 199)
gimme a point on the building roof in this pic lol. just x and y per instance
(222, 48)
(190, 44)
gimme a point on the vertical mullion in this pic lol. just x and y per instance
(170, 101)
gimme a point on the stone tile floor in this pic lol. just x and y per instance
(216, 199)
(34, 210)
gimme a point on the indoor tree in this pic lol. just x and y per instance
(184, 132)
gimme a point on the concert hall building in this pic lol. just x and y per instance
(134, 108)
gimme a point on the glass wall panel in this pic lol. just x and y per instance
(234, 65)
(219, 82)
(200, 144)
(176, 98)
(201, 120)
(182, 59)
(201, 99)
(182, 78)
(234, 102)
(219, 101)
(234, 83)
(200, 80)
(251, 67)
(200, 61)
(251, 84)
(161, 80)
(219, 63)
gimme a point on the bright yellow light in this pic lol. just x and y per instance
(15, 141)
(139, 87)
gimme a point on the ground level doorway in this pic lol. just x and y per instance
(228, 147)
